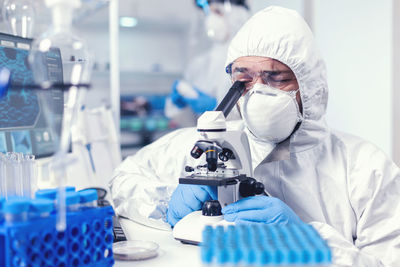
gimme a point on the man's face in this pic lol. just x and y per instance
(266, 71)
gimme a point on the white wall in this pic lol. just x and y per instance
(355, 38)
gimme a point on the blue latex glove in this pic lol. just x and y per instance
(184, 94)
(187, 198)
(260, 209)
(202, 103)
(176, 97)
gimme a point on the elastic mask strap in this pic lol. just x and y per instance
(293, 96)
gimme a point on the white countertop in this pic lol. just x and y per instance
(171, 251)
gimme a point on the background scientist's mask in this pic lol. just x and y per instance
(223, 18)
(216, 24)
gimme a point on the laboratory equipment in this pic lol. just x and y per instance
(16, 210)
(72, 200)
(24, 125)
(227, 166)
(118, 232)
(20, 17)
(88, 198)
(264, 245)
(143, 120)
(135, 250)
(2, 199)
(40, 208)
(35, 241)
(17, 174)
(76, 67)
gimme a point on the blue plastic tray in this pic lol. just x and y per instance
(264, 245)
(87, 241)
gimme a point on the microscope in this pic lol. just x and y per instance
(227, 166)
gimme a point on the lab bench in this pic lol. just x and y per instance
(171, 252)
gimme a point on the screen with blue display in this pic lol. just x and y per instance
(24, 125)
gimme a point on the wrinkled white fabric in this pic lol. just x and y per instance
(345, 187)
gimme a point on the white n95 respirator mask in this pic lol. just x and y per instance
(270, 114)
(216, 27)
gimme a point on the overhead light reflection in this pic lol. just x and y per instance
(128, 22)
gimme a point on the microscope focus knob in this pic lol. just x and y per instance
(226, 154)
(259, 188)
(189, 169)
(212, 208)
(250, 187)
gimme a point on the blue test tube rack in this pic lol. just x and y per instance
(87, 240)
(264, 245)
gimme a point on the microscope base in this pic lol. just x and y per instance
(189, 229)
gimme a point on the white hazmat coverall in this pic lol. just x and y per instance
(345, 187)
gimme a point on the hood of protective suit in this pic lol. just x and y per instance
(282, 34)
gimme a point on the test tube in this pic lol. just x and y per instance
(18, 173)
(51, 193)
(88, 198)
(72, 201)
(40, 208)
(46, 194)
(11, 185)
(2, 200)
(33, 172)
(28, 175)
(3, 187)
(16, 210)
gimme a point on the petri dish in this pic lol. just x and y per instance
(135, 250)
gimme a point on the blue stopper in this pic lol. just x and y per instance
(71, 198)
(16, 205)
(46, 193)
(2, 199)
(70, 188)
(41, 205)
(87, 195)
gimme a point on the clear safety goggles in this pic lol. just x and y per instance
(279, 79)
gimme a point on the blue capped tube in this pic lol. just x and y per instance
(2, 199)
(47, 194)
(3, 185)
(72, 201)
(16, 210)
(40, 208)
(51, 193)
(88, 198)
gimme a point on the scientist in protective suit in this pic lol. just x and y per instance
(204, 84)
(343, 186)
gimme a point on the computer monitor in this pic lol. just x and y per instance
(24, 125)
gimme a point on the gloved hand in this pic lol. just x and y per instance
(261, 209)
(187, 198)
(202, 103)
(176, 97)
(184, 94)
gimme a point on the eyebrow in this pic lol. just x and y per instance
(270, 72)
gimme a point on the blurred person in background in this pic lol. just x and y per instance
(204, 82)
